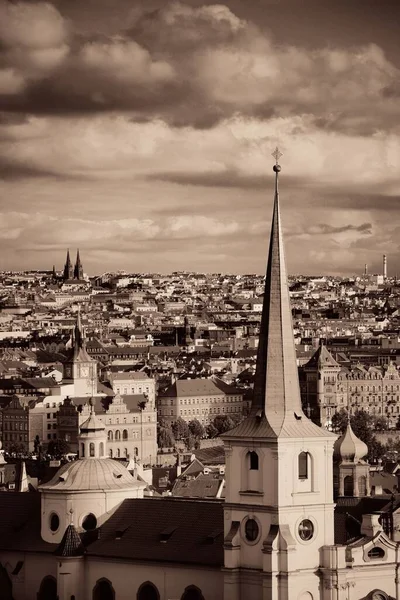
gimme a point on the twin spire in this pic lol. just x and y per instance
(71, 272)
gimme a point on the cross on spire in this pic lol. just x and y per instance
(277, 154)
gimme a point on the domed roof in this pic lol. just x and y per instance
(349, 448)
(91, 474)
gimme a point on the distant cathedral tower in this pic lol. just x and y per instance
(68, 270)
(78, 270)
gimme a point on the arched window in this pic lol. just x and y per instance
(126, 452)
(303, 465)
(253, 461)
(101, 449)
(117, 435)
(192, 593)
(118, 453)
(136, 451)
(148, 591)
(83, 450)
(48, 589)
(362, 486)
(91, 449)
(103, 590)
(124, 434)
(111, 453)
(348, 486)
(110, 436)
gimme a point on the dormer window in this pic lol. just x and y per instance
(303, 465)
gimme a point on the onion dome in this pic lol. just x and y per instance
(349, 448)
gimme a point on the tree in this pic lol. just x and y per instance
(223, 423)
(211, 430)
(58, 448)
(381, 424)
(196, 429)
(165, 437)
(180, 429)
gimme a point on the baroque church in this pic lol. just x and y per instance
(280, 534)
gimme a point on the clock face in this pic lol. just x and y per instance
(306, 530)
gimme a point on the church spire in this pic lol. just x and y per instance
(68, 272)
(276, 409)
(78, 270)
(276, 387)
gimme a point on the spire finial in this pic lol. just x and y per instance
(91, 404)
(276, 154)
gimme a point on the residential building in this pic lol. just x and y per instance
(201, 399)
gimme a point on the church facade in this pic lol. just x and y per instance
(90, 534)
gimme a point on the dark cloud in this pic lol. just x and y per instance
(191, 66)
(326, 229)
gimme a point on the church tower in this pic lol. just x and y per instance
(68, 270)
(80, 369)
(279, 497)
(78, 270)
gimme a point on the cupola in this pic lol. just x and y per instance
(92, 437)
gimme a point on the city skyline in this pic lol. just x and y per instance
(143, 135)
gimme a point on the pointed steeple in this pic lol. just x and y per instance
(71, 544)
(79, 344)
(276, 409)
(276, 387)
(68, 272)
(78, 270)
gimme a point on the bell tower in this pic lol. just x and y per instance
(80, 368)
(279, 496)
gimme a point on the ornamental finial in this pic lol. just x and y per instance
(277, 154)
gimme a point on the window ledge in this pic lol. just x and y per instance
(251, 493)
(301, 493)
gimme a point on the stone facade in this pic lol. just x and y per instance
(327, 388)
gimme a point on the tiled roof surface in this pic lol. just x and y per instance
(204, 486)
(192, 387)
(71, 544)
(254, 427)
(349, 512)
(20, 523)
(91, 474)
(164, 529)
(211, 456)
(128, 375)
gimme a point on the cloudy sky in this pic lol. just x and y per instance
(141, 131)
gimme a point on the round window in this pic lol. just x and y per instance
(89, 522)
(54, 521)
(306, 530)
(251, 530)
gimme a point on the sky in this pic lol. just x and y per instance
(141, 132)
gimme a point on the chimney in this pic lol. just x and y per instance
(365, 269)
(384, 266)
(370, 525)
